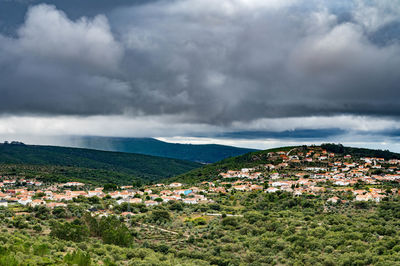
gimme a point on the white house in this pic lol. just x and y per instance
(190, 201)
(24, 201)
(92, 193)
(37, 202)
(333, 200)
(151, 203)
(175, 185)
(271, 189)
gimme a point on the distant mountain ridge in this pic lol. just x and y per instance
(204, 153)
(85, 162)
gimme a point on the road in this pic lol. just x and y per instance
(288, 153)
(220, 214)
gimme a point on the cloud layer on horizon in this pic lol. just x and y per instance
(265, 133)
(224, 65)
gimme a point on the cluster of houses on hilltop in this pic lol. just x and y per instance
(321, 172)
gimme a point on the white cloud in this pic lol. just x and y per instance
(344, 122)
(48, 33)
(374, 14)
(170, 126)
(125, 126)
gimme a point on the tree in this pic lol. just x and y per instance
(253, 216)
(39, 195)
(37, 228)
(230, 221)
(78, 258)
(41, 212)
(361, 204)
(137, 183)
(118, 236)
(175, 205)
(160, 215)
(110, 187)
(70, 231)
(199, 221)
(59, 212)
(110, 229)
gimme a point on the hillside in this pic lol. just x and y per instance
(207, 153)
(211, 171)
(332, 208)
(360, 152)
(88, 164)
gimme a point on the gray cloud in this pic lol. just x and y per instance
(58, 66)
(205, 61)
(12, 12)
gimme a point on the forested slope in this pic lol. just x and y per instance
(128, 165)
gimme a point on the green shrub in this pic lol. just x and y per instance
(78, 258)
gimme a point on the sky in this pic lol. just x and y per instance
(249, 73)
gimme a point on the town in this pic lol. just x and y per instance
(313, 172)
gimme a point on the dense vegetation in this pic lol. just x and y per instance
(51, 174)
(197, 153)
(266, 229)
(89, 164)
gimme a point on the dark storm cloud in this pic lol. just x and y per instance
(212, 62)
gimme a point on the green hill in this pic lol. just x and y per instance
(211, 171)
(86, 164)
(207, 153)
(208, 172)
